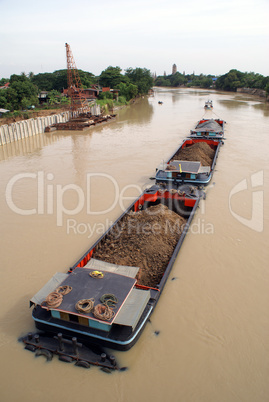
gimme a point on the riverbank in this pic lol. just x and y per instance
(254, 91)
(258, 93)
(32, 114)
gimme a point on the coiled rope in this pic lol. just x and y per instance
(173, 191)
(54, 299)
(85, 305)
(181, 192)
(109, 299)
(64, 290)
(103, 312)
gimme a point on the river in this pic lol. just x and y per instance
(59, 191)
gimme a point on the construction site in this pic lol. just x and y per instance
(81, 116)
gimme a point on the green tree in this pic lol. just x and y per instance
(105, 95)
(44, 81)
(111, 77)
(3, 101)
(3, 81)
(141, 77)
(265, 82)
(129, 91)
(206, 82)
(54, 97)
(65, 101)
(87, 79)
(58, 80)
(21, 88)
(177, 79)
(161, 81)
(231, 81)
(25, 103)
(12, 98)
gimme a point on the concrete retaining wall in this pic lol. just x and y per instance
(28, 128)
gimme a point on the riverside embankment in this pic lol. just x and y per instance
(254, 91)
(28, 128)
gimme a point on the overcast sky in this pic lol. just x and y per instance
(209, 37)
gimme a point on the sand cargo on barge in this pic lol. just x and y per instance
(193, 163)
(114, 287)
(106, 298)
(209, 128)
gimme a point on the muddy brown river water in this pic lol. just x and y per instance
(60, 191)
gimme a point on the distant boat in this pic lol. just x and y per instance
(209, 104)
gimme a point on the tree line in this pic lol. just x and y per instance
(189, 80)
(228, 82)
(236, 79)
(22, 92)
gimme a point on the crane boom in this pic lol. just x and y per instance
(78, 99)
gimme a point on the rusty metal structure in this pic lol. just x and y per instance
(78, 98)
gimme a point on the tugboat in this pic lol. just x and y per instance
(208, 104)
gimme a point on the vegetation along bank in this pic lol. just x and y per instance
(28, 95)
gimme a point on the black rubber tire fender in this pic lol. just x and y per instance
(44, 352)
(32, 348)
(106, 370)
(66, 359)
(83, 363)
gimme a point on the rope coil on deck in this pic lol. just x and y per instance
(64, 290)
(103, 312)
(109, 299)
(85, 305)
(173, 191)
(54, 299)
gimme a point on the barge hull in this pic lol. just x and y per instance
(119, 337)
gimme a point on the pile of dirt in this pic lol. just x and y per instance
(198, 152)
(144, 239)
